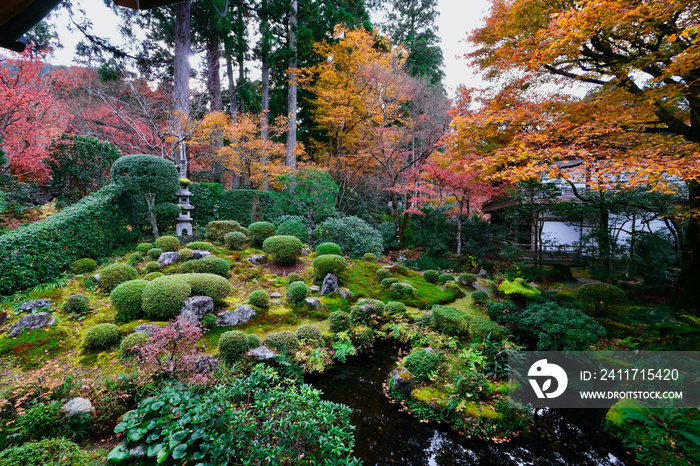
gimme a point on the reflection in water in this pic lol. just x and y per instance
(386, 436)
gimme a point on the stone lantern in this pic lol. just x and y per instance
(183, 226)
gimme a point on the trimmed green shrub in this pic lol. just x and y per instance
(498, 312)
(163, 298)
(328, 263)
(101, 336)
(153, 275)
(209, 321)
(77, 304)
(446, 277)
(209, 264)
(354, 236)
(126, 299)
(168, 243)
(431, 276)
(114, 274)
(567, 297)
(467, 279)
(308, 332)
(404, 289)
(285, 250)
(233, 345)
(422, 364)
(395, 307)
(207, 284)
(340, 321)
(152, 266)
(128, 346)
(235, 241)
(154, 253)
(144, 247)
(600, 298)
(284, 342)
(259, 298)
(480, 297)
(294, 277)
(370, 257)
(201, 245)
(253, 340)
(260, 231)
(382, 273)
(328, 248)
(47, 452)
(387, 282)
(450, 321)
(518, 287)
(186, 254)
(84, 265)
(297, 292)
(294, 227)
(363, 337)
(217, 230)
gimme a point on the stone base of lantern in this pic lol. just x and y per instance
(183, 229)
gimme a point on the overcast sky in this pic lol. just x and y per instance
(457, 17)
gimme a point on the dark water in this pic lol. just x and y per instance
(386, 436)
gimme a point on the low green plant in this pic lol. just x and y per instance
(340, 321)
(363, 337)
(153, 275)
(328, 248)
(152, 266)
(233, 345)
(294, 277)
(446, 277)
(308, 332)
(85, 265)
(209, 321)
(600, 298)
(467, 279)
(431, 276)
(114, 274)
(260, 231)
(154, 253)
(101, 336)
(285, 250)
(297, 292)
(168, 243)
(480, 297)
(186, 254)
(235, 241)
(128, 348)
(328, 263)
(163, 298)
(395, 308)
(472, 384)
(46, 452)
(422, 364)
(382, 274)
(201, 246)
(387, 282)
(253, 340)
(143, 248)
(285, 342)
(77, 305)
(218, 229)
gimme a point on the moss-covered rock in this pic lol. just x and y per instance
(518, 287)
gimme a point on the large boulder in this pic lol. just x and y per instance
(169, 258)
(403, 380)
(77, 406)
(31, 306)
(242, 313)
(345, 293)
(261, 353)
(257, 259)
(200, 254)
(148, 329)
(30, 321)
(330, 285)
(196, 307)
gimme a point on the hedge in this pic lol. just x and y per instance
(245, 205)
(38, 252)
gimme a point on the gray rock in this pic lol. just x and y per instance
(345, 293)
(330, 285)
(257, 259)
(138, 451)
(196, 307)
(305, 252)
(242, 313)
(478, 286)
(276, 303)
(77, 406)
(30, 321)
(96, 277)
(149, 329)
(31, 306)
(403, 380)
(200, 254)
(483, 273)
(168, 258)
(315, 288)
(261, 353)
(429, 350)
(205, 363)
(314, 302)
(275, 295)
(402, 258)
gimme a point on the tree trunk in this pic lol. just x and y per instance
(685, 293)
(265, 79)
(181, 79)
(150, 202)
(233, 111)
(291, 160)
(459, 230)
(214, 89)
(312, 226)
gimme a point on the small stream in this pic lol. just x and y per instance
(386, 436)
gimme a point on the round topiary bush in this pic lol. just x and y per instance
(163, 298)
(446, 277)
(467, 279)
(218, 229)
(480, 297)
(126, 299)
(370, 257)
(431, 276)
(285, 250)
(395, 307)
(134, 259)
(308, 332)
(114, 274)
(387, 282)
(168, 243)
(328, 248)
(201, 246)
(259, 298)
(152, 266)
(209, 321)
(128, 348)
(253, 340)
(233, 345)
(260, 231)
(600, 298)
(186, 254)
(85, 265)
(284, 342)
(207, 284)
(77, 304)
(209, 264)
(101, 336)
(422, 364)
(294, 277)
(382, 274)
(294, 227)
(154, 253)
(144, 247)
(340, 321)
(404, 289)
(297, 292)
(328, 263)
(153, 275)
(235, 241)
